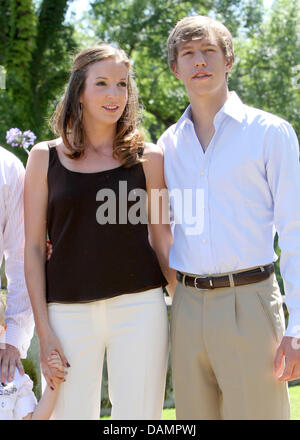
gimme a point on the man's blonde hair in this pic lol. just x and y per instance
(196, 28)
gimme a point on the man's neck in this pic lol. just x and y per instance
(204, 110)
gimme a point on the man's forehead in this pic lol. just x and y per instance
(205, 40)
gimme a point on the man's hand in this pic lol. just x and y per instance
(48, 250)
(9, 360)
(288, 359)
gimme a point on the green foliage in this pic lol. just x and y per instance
(267, 68)
(36, 48)
(29, 369)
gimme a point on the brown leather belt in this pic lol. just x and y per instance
(239, 279)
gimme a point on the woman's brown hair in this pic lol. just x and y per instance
(67, 118)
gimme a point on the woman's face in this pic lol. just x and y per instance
(105, 95)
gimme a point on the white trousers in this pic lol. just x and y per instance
(133, 329)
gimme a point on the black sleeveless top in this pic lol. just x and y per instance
(91, 259)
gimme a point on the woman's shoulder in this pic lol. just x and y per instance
(153, 164)
(44, 146)
(152, 152)
(152, 149)
(39, 157)
(39, 154)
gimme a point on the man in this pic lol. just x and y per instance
(19, 318)
(230, 356)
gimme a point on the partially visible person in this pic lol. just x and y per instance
(102, 287)
(231, 355)
(17, 399)
(15, 341)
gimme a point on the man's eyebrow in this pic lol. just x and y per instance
(190, 46)
(185, 46)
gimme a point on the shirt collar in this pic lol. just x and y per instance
(233, 107)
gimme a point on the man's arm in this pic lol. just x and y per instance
(18, 316)
(283, 172)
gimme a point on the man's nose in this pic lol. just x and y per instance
(200, 59)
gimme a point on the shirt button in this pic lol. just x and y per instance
(202, 173)
(204, 240)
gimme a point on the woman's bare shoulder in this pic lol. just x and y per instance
(39, 155)
(152, 150)
(45, 145)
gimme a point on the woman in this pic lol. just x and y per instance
(102, 288)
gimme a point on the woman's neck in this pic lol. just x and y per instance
(100, 137)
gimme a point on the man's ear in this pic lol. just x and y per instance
(174, 69)
(229, 66)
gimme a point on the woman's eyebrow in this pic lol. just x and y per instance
(104, 77)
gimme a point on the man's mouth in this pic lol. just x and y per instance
(201, 75)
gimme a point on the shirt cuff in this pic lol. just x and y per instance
(293, 328)
(19, 338)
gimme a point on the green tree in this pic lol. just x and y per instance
(267, 67)
(35, 48)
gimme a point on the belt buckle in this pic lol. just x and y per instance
(199, 277)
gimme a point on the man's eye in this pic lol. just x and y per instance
(100, 83)
(123, 84)
(188, 52)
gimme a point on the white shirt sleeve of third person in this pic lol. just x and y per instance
(283, 172)
(18, 315)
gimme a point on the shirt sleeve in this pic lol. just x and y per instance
(26, 400)
(18, 316)
(283, 172)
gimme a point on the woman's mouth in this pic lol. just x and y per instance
(111, 108)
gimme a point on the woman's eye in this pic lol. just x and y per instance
(123, 84)
(188, 52)
(100, 83)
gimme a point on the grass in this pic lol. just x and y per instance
(169, 413)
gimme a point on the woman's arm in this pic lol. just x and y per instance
(35, 214)
(160, 234)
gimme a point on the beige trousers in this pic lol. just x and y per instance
(223, 348)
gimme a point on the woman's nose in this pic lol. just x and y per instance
(112, 92)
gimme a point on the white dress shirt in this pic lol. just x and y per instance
(18, 316)
(17, 398)
(247, 185)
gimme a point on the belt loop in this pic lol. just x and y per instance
(183, 279)
(231, 281)
(262, 268)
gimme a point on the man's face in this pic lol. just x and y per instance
(201, 66)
